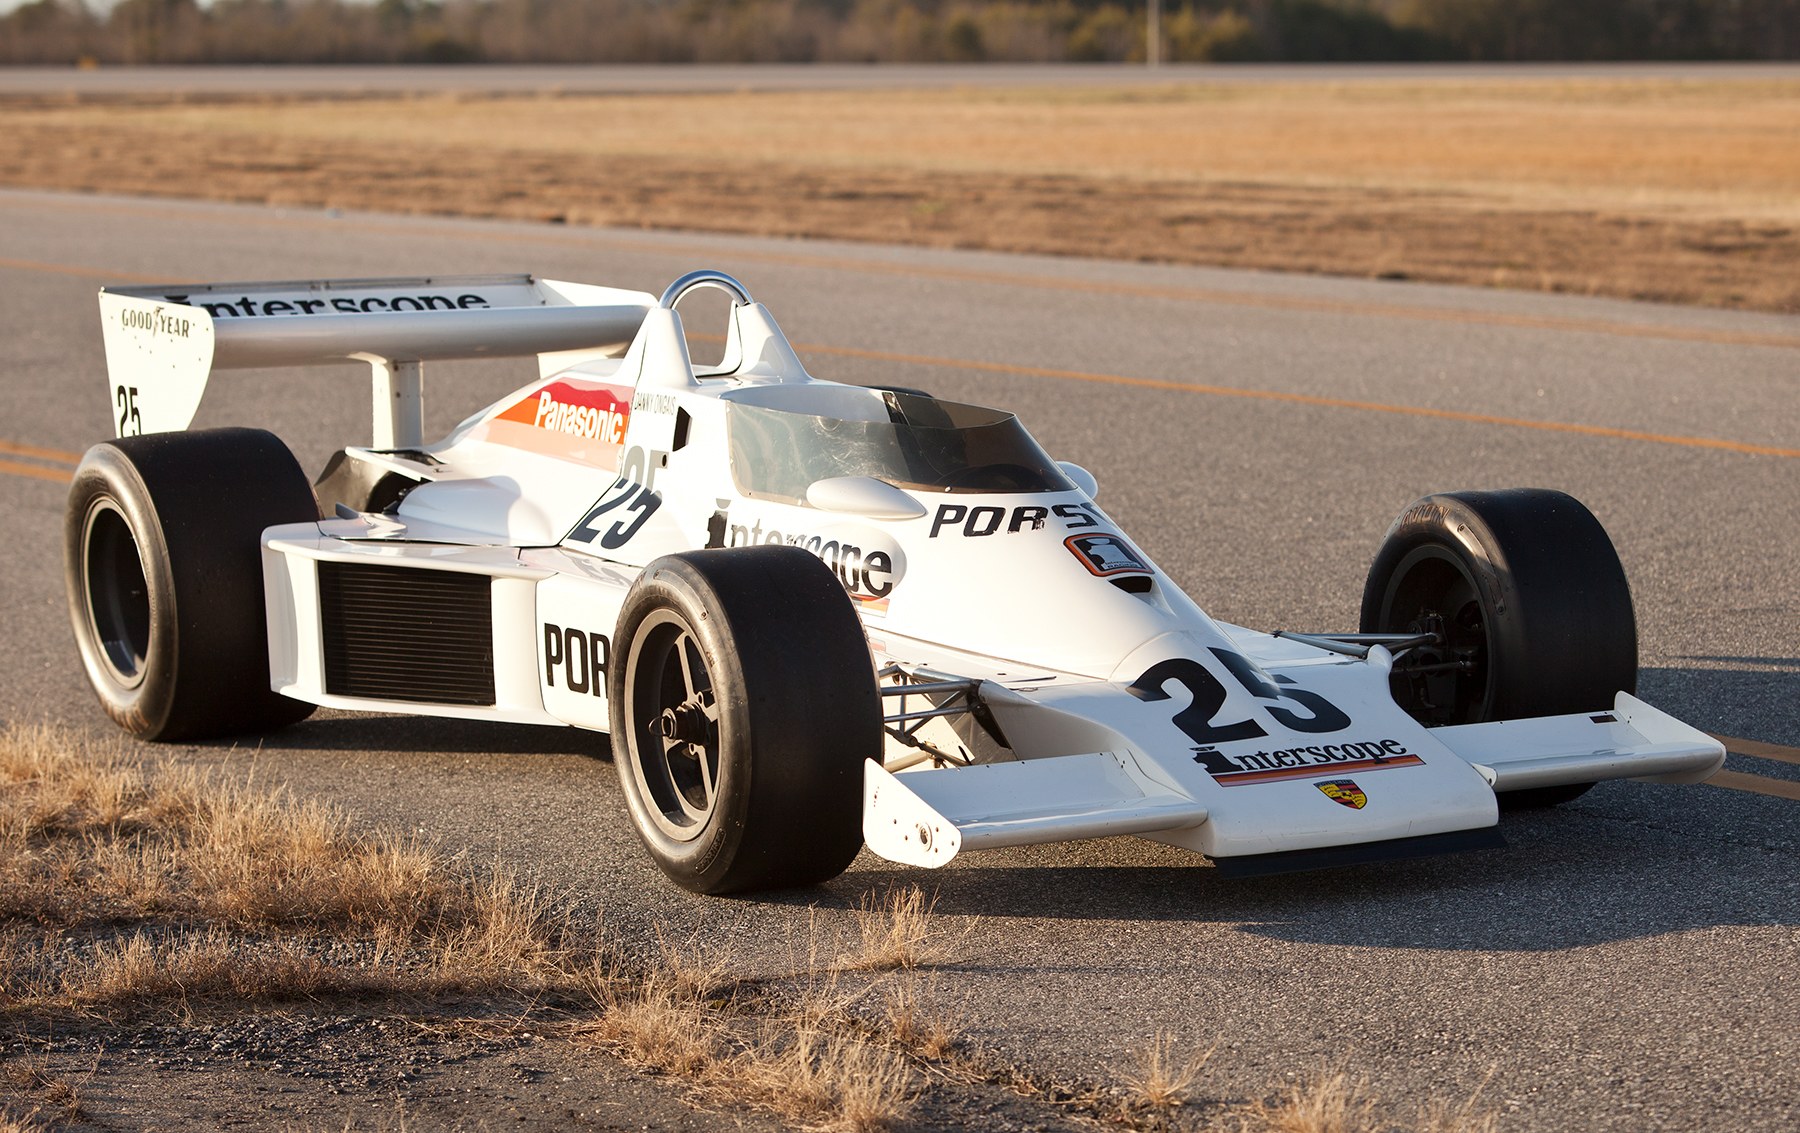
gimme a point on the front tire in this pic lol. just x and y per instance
(743, 704)
(162, 562)
(1528, 594)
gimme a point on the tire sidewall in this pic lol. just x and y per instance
(697, 861)
(107, 479)
(196, 504)
(1560, 633)
(798, 713)
(1436, 535)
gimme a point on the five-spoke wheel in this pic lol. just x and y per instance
(743, 705)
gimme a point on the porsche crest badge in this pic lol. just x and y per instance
(1344, 791)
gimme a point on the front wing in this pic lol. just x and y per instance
(925, 817)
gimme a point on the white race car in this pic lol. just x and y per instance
(812, 616)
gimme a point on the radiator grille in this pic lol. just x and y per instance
(401, 633)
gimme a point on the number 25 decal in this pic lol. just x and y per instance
(1208, 695)
(130, 424)
(639, 500)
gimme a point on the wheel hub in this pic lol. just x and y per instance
(688, 722)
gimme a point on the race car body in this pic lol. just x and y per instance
(629, 543)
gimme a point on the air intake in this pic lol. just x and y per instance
(401, 633)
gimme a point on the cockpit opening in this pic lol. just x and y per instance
(783, 438)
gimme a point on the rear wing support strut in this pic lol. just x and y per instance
(398, 402)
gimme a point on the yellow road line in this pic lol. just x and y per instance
(37, 471)
(85, 273)
(1759, 749)
(1311, 304)
(12, 449)
(1214, 296)
(1756, 784)
(1305, 399)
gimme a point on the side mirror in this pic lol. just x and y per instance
(1082, 477)
(864, 496)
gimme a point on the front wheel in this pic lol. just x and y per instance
(1530, 604)
(743, 705)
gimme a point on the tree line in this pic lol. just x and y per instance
(875, 31)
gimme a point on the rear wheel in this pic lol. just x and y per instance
(1528, 598)
(162, 562)
(743, 705)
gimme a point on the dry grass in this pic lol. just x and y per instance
(1440, 1116)
(895, 930)
(1338, 1102)
(918, 1021)
(1720, 144)
(214, 966)
(805, 1046)
(27, 1122)
(1164, 1078)
(124, 889)
(823, 1079)
(799, 1057)
(37, 1099)
(1657, 188)
(659, 1022)
(1334, 1102)
(167, 885)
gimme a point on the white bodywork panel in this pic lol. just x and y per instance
(1108, 702)
(924, 817)
(1633, 741)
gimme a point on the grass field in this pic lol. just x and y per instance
(1652, 188)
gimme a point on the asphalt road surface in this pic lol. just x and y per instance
(1631, 962)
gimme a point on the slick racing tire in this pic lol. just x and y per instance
(162, 559)
(743, 704)
(1526, 589)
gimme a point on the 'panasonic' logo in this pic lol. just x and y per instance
(582, 420)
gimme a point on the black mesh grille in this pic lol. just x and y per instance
(400, 633)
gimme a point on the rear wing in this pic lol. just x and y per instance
(163, 343)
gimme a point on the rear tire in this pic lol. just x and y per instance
(743, 704)
(162, 561)
(1527, 590)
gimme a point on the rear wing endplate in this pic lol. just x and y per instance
(164, 342)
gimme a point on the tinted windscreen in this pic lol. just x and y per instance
(908, 440)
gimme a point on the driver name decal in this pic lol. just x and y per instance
(1311, 762)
